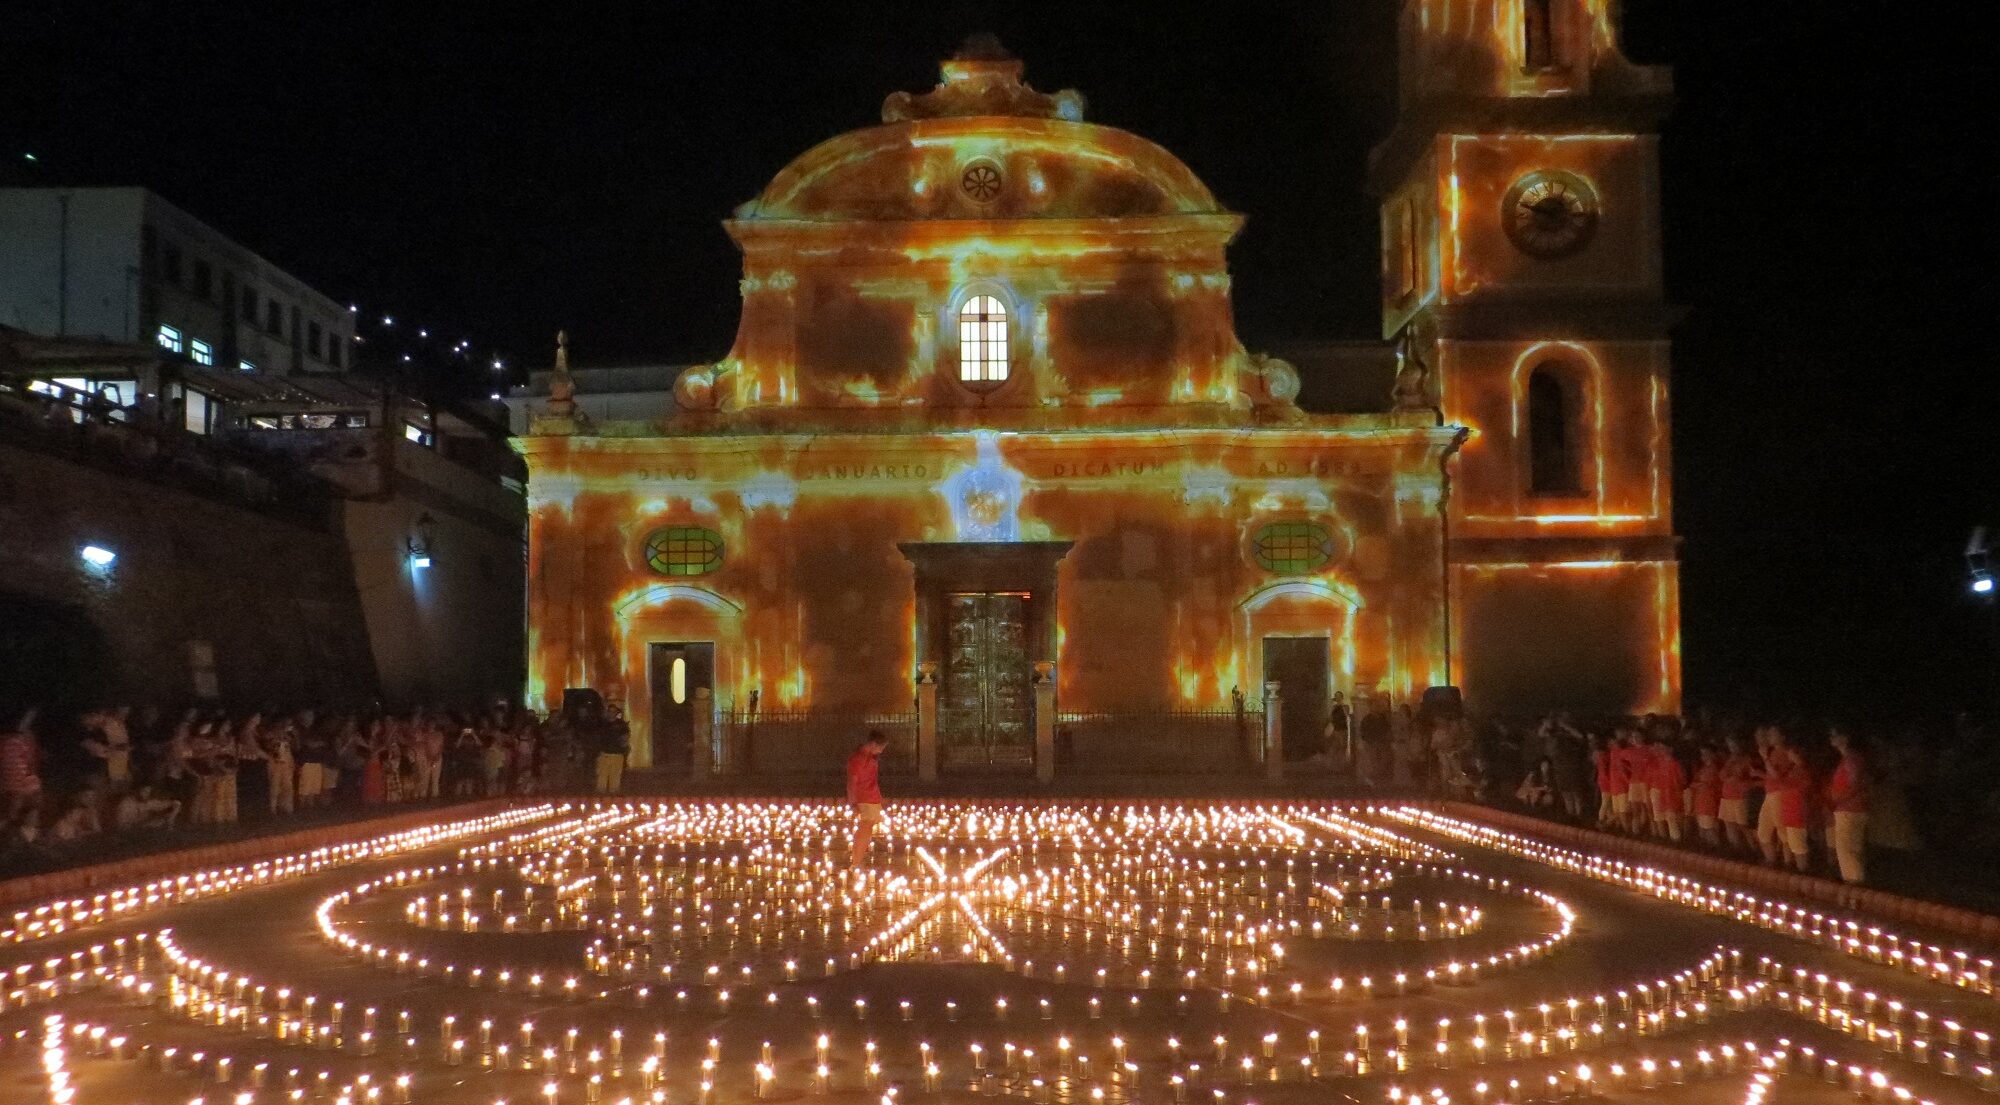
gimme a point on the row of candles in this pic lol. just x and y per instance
(1447, 1041)
(1069, 1078)
(1104, 921)
(63, 916)
(1849, 935)
(1690, 986)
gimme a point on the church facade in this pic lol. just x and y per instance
(986, 440)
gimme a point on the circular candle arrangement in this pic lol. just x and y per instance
(712, 952)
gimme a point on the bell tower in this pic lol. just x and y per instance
(1522, 280)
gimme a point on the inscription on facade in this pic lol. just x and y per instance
(1091, 469)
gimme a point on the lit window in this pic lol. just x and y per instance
(1293, 548)
(246, 366)
(170, 339)
(415, 433)
(677, 680)
(197, 411)
(202, 352)
(684, 551)
(982, 341)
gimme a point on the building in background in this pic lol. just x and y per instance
(148, 353)
(986, 441)
(124, 265)
(1521, 261)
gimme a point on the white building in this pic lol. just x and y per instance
(122, 264)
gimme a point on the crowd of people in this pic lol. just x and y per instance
(1809, 797)
(65, 779)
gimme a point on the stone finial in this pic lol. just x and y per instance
(982, 79)
(562, 385)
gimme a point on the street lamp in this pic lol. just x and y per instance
(422, 541)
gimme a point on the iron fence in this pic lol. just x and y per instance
(1163, 742)
(810, 741)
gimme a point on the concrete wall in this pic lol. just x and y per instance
(102, 236)
(451, 632)
(273, 599)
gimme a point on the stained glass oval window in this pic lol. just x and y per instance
(684, 551)
(1293, 548)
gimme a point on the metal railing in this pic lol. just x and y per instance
(1162, 742)
(86, 428)
(810, 741)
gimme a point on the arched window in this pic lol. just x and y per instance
(1553, 436)
(1537, 36)
(982, 340)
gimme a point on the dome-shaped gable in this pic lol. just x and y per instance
(982, 145)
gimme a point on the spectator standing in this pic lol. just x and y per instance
(493, 759)
(468, 763)
(1338, 720)
(614, 741)
(108, 740)
(1787, 784)
(315, 753)
(1738, 779)
(1569, 755)
(253, 772)
(20, 765)
(1707, 796)
(280, 769)
(1373, 744)
(1847, 793)
(1668, 790)
(1407, 746)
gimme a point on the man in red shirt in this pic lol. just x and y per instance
(1847, 793)
(864, 792)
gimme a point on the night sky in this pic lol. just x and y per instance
(1827, 229)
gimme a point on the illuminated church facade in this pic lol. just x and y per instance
(987, 439)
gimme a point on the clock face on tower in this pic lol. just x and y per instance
(1550, 214)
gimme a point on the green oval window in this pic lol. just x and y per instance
(684, 551)
(1293, 548)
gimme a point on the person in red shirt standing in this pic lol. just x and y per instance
(864, 792)
(1847, 793)
(1608, 796)
(1708, 796)
(1638, 783)
(1739, 778)
(1786, 787)
(1621, 779)
(1667, 789)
